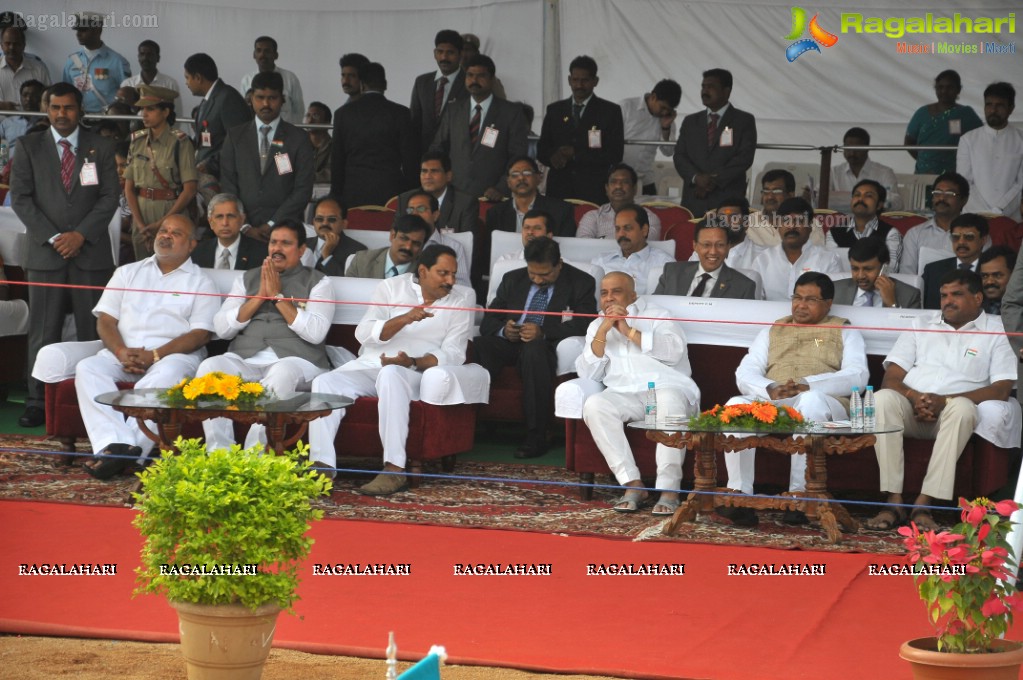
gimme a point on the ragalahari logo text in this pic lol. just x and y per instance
(818, 36)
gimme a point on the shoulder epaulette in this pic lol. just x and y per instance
(139, 134)
(180, 134)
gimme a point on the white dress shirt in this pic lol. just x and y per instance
(639, 124)
(232, 253)
(780, 275)
(926, 234)
(843, 180)
(992, 161)
(600, 223)
(638, 265)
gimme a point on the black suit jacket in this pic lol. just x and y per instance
(574, 289)
(932, 280)
(251, 253)
(225, 109)
(268, 195)
(424, 121)
(459, 211)
(375, 155)
(586, 174)
(477, 168)
(678, 277)
(694, 156)
(335, 266)
(502, 216)
(41, 203)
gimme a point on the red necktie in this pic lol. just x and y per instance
(474, 125)
(67, 164)
(438, 96)
(712, 130)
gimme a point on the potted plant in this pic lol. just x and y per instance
(963, 578)
(225, 533)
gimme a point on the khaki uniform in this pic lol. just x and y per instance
(173, 155)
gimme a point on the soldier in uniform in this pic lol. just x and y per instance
(161, 178)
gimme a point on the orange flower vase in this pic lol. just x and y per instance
(930, 664)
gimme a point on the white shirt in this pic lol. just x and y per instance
(271, 134)
(708, 288)
(740, 256)
(780, 275)
(151, 319)
(893, 240)
(860, 299)
(752, 381)
(600, 223)
(639, 124)
(956, 361)
(484, 107)
(232, 253)
(11, 80)
(662, 357)
(638, 265)
(843, 180)
(160, 80)
(927, 234)
(992, 161)
(444, 335)
(311, 324)
(293, 109)
(515, 255)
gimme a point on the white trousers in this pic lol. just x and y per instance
(396, 387)
(98, 374)
(283, 377)
(950, 433)
(816, 406)
(605, 414)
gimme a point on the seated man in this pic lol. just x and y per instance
(621, 190)
(951, 191)
(867, 202)
(968, 235)
(709, 276)
(153, 339)
(858, 167)
(733, 215)
(328, 251)
(635, 257)
(776, 187)
(459, 211)
(631, 344)
(935, 386)
(425, 205)
(524, 182)
(536, 224)
(869, 285)
(780, 265)
(813, 370)
(231, 249)
(996, 266)
(407, 238)
(401, 338)
(528, 339)
(277, 319)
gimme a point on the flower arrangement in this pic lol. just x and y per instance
(215, 387)
(759, 415)
(969, 601)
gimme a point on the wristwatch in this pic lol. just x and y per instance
(278, 298)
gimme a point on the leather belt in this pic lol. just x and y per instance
(157, 194)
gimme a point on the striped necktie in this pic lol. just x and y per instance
(67, 165)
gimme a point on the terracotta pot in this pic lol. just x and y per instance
(930, 664)
(225, 642)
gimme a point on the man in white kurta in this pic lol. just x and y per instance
(813, 370)
(151, 338)
(634, 256)
(991, 157)
(401, 337)
(632, 344)
(939, 385)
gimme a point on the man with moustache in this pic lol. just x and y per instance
(636, 257)
(64, 189)
(991, 157)
(221, 109)
(941, 377)
(968, 235)
(535, 225)
(621, 187)
(995, 266)
(782, 264)
(328, 251)
(424, 205)
(858, 167)
(95, 70)
(733, 215)
(459, 211)
(276, 317)
(434, 91)
(231, 249)
(776, 187)
(408, 235)
(149, 57)
(950, 193)
(710, 275)
(16, 70)
(401, 337)
(351, 85)
(867, 202)
(869, 285)
(524, 182)
(264, 53)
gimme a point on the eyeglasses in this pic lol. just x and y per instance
(524, 173)
(418, 209)
(333, 219)
(938, 194)
(807, 300)
(965, 237)
(772, 192)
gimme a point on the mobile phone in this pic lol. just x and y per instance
(884, 269)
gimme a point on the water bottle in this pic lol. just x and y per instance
(651, 404)
(856, 410)
(869, 415)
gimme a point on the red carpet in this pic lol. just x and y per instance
(704, 624)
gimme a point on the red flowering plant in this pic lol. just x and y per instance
(964, 576)
(759, 416)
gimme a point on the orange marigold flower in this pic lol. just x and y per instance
(794, 414)
(764, 412)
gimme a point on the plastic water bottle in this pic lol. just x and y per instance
(651, 404)
(856, 409)
(869, 415)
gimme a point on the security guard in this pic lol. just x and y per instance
(161, 178)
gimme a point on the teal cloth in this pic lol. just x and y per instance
(427, 669)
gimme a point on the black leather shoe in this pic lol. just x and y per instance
(33, 416)
(794, 517)
(740, 517)
(530, 451)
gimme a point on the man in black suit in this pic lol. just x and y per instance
(869, 286)
(709, 276)
(64, 188)
(524, 182)
(581, 137)
(459, 211)
(482, 133)
(230, 249)
(434, 91)
(268, 162)
(329, 250)
(528, 340)
(375, 155)
(221, 109)
(715, 146)
(969, 235)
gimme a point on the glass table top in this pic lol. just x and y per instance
(295, 402)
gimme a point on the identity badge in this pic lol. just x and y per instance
(489, 137)
(283, 163)
(726, 137)
(207, 138)
(955, 126)
(89, 177)
(594, 137)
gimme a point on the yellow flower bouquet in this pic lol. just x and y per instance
(215, 387)
(759, 415)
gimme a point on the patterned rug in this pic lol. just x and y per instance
(508, 496)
